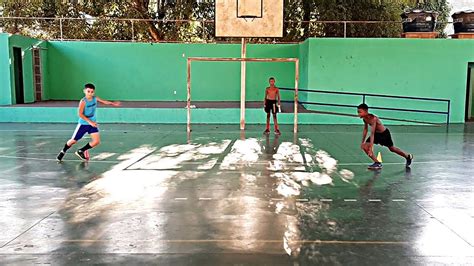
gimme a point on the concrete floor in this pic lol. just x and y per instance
(151, 195)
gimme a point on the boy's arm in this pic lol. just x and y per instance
(364, 132)
(278, 97)
(265, 97)
(108, 102)
(373, 125)
(82, 105)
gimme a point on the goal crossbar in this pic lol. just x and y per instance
(242, 100)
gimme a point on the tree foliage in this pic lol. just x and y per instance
(192, 20)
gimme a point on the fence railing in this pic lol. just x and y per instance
(363, 97)
(201, 30)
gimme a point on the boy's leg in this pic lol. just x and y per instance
(369, 152)
(95, 139)
(386, 140)
(267, 128)
(68, 145)
(398, 151)
(268, 121)
(407, 156)
(77, 135)
(82, 152)
(275, 121)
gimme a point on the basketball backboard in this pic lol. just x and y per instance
(249, 18)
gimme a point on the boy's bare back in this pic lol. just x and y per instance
(371, 119)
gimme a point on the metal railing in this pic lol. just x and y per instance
(201, 30)
(364, 96)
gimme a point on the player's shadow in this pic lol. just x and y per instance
(408, 172)
(271, 146)
(366, 189)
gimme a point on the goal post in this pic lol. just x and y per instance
(242, 101)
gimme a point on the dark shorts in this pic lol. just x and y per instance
(271, 106)
(384, 138)
(81, 130)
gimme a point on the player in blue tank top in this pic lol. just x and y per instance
(87, 123)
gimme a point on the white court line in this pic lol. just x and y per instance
(350, 200)
(58, 198)
(183, 163)
(375, 200)
(275, 199)
(42, 153)
(401, 133)
(414, 162)
(226, 132)
(341, 164)
(101, 130)
(82, 198)
(256, 163)
(326, 200)
(231, 199)
(15, 150)
(52, 159)
(302, 200)
(117, 161)
(245, 163)
(260, 241)
(205, 198)
(35, 130)
(34, 198)
(398, 200)
(180, 198)
(12, 169)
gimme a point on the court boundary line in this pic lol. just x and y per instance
(244, 164)
(444, 224)
(276, 241)
(232, 131)
(28, 229)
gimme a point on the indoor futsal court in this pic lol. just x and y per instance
(167, 153)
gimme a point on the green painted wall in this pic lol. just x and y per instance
(5, 87)
(304, 69)
(141, 71)
(406, 67)
(157, 115)
(259, 73)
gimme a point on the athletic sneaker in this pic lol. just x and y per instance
(375, 166)
(81, 155)
(267, 131)
(60, 156)
(409, 160)
(277, 132)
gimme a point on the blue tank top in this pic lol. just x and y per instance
(89, 110)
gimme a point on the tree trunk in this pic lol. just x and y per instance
(307, 17)
(142, 7)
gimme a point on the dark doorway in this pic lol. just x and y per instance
(470, 93)
(18, 69)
